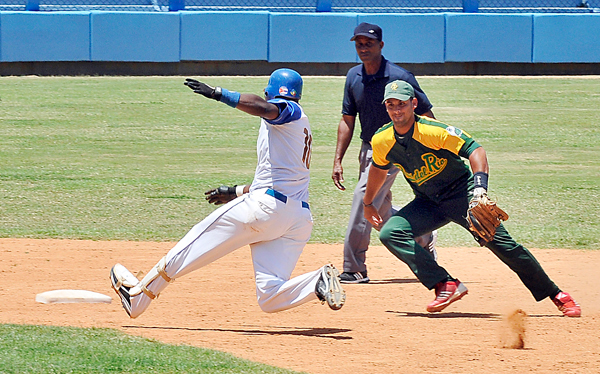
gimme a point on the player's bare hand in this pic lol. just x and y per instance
(220, 195)
(372, 215)
(203, 89)
(338, 177)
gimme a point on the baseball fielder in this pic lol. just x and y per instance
(271, 215)
(430, 155)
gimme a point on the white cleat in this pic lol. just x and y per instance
(122, 281)
(329, 289)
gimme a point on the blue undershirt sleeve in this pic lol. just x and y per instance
(288, 111)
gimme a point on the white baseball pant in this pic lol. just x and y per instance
(276, 231)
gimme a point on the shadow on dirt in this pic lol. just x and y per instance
(446, 315)
(396, 280)
(328, 333)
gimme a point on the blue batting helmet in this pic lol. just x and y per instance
(284, 83)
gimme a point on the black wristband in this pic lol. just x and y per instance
(367, 204)
(217, 93)
(481, 179)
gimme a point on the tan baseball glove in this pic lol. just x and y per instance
(484, 217)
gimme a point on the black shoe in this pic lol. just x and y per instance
(358, 277)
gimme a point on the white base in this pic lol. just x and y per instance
(72, 296)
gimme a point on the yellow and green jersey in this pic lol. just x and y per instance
(430, 156)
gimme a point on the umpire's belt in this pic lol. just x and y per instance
(281, 197)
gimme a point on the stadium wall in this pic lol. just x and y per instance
(221, 43)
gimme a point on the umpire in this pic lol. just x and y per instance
(430, 155)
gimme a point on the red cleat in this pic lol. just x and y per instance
(446, 293)
(567, 305)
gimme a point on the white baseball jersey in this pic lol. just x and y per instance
(284, 150)
(276, 226)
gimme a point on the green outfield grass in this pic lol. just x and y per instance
(57, 350)
(129, 158)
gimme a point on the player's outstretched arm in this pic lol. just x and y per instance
(257, 106)
(249, 103)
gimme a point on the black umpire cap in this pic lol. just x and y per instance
(369, 30)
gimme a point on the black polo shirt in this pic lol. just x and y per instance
(363, 95)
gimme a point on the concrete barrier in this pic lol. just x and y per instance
(34, 36)
(489, 37)
(224, 36)
(296, 37)
(135, 36)
(319, 37)
(566, 38)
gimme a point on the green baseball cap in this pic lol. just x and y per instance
(398, 89)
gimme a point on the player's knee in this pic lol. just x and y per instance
(267, 308)
(385, 235)
(267, 304)
(390, 235)
(266, 297)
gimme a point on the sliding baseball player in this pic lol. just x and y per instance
(271, 215)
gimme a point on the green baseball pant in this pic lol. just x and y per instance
(423, 215)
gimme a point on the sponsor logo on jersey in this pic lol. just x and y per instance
(433, 166)
(454, 131)
(283, 90)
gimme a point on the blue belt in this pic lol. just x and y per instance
(281, 197)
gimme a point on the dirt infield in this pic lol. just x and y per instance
(383, 328)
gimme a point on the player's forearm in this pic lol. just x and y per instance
(374, 182)
(344, 137)
(257, 106)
